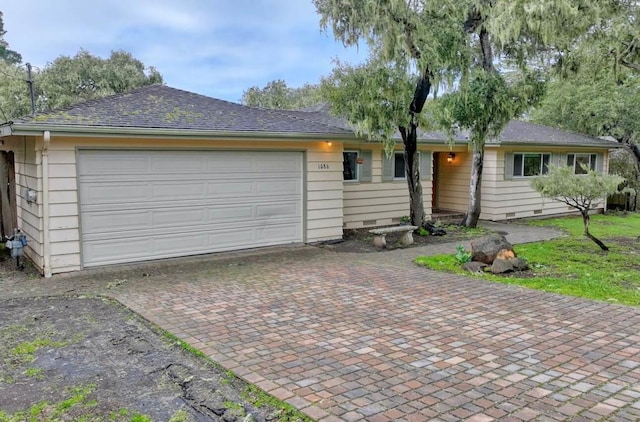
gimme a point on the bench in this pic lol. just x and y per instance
(380, 242)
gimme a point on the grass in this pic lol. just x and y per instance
(574, 265)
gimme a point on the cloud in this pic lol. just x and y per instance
(217, 48)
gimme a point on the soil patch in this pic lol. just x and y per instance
(360, 240)
(90, 358)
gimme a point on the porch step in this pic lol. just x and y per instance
(447, 217)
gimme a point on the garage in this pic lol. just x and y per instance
(139, 205)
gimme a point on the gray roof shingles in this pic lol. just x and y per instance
(163, 107)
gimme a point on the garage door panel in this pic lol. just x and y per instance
(103, 222)
(186, 202)
(103, 193)
(278, 187)
(231, 188)
(175, 190)
(287, 163)
(282, 210)
(107, 163)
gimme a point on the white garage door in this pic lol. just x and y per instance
(142, 205)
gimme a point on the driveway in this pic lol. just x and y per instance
(371, 337)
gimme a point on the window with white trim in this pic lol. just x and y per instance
(582, 163)
(399, 171)
(527, 164)
(350, 165)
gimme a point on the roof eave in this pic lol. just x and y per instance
(112, 131)
(553, 145)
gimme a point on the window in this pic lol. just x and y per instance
(530, 164)
(350, 165)
(398, 166)
(582, 162)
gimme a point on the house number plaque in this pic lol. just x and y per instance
(323, 166)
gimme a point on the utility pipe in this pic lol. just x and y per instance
(46, 241)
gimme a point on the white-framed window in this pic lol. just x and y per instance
(579, 161)
(530, 164)
(399, 170)
(350, 165)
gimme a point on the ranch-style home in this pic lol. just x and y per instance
(160, 172)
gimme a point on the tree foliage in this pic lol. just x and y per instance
(584, 192)
(277, 95)
(598, 93)
(456, 46)
(69, 80)
(7, 55)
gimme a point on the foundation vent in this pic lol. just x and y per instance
(536, 212)
(369, 222)
(511, 214)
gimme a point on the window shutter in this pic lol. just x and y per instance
(425, 165)
(508, 166)
(365, 167)
(599, 162)
(387, 167)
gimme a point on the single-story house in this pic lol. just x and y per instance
(160, 172)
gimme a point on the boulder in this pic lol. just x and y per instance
(474, 267)
(486, 248)
(501, 266)
(519, 264)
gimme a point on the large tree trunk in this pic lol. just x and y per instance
(411, 158)
(412, 166)
(475, 185)
(585, 220)
(633, 148)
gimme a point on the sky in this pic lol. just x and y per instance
(217, 48)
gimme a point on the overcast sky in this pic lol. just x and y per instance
(212, 47)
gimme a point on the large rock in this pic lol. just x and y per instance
(501, 266)
(486, 248)
(519, 264)
(474, 267)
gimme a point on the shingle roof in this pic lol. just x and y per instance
(163, 107)
(516, 132)
(519, 132)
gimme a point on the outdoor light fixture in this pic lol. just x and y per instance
(451, 157)
(329, 143)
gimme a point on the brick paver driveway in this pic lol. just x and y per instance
(372, 337)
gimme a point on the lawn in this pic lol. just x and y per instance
(574, 265)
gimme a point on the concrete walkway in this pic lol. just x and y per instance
(372, 337)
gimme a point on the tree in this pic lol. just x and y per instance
(276, 94)
(583, 192)
(14, 92)
(598, 94)
(7, 55)
(84, 77)
(69, 80)
(456, 45)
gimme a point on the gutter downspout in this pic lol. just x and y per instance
(46, 241)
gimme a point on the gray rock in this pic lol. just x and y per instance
(519, 264)
(474, 266)
(501, 266)
(486, 248)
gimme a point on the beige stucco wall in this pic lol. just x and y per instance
(323, 188)
(378, 203)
